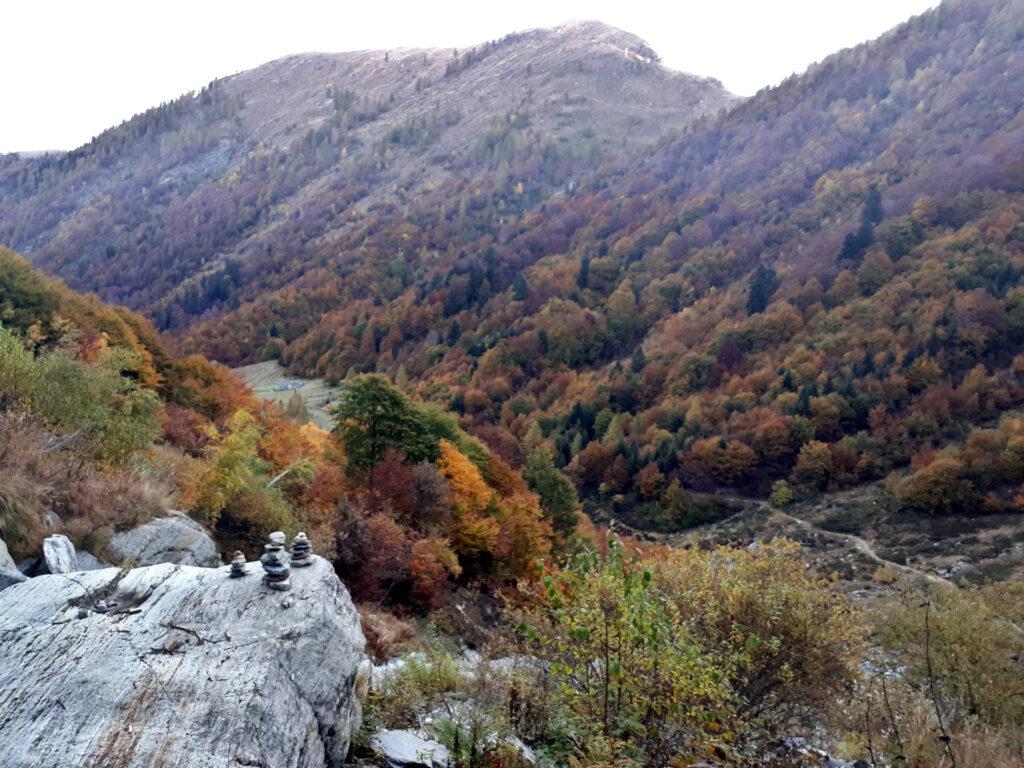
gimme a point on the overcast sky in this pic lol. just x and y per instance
(69, 68)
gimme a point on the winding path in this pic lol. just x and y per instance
(860, 544)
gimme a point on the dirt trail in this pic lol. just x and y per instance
(861, 545)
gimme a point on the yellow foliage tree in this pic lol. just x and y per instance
(471, 493)
(474, 534)
(232, 466)
(525, 537)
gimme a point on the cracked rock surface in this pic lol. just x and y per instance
(187, 667)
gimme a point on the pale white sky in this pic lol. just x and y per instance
(70, 68)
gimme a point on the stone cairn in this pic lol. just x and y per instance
(238, 568)
(302, 551)
(275, 563)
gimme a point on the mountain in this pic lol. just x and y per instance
(819, 286)
(165, 212)
(778, 348)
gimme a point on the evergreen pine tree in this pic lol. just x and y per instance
(584, 276)
(639, 360)
(520, 288)
(873, 211)
(763, 283)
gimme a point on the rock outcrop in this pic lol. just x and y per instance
(9, 573)
(405, 749)
(175, 538)
(59, 554)
(173, 665)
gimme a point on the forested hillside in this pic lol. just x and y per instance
(219, 196)
(819, 286)
(811, 289)
(101, 428)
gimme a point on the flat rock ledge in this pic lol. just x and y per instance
(186, 667)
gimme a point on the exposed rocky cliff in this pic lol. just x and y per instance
(174, 665)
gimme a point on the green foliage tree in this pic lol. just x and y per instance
(520, 288)
(24, 297)
(583, 278)
(373, 417)
(557, 493)
(855, 243)
(873, 211)
(639, 360)
(900, 236)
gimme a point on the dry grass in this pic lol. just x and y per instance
(41, 473)
(386, 635)
(900, 720)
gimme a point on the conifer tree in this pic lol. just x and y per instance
(763, 284)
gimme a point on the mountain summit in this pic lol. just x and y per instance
(338, 133)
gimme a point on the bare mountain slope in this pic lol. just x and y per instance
(152, 212)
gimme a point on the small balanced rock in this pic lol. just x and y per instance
(275, 563)
(302, 551)
(238, 568)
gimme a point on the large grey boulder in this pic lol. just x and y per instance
(59, 554)
(176, 538)
(9, 573)
(187, 667)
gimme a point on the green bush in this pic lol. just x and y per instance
(625, 674)
(781, 495)
(110, 411)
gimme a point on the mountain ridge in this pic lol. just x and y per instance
(382, 124)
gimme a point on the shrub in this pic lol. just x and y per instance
(385, 633)
(625, 674)
(781, 495)
(972, 643)
(40, 473)
(789, 645)
(421, 680)
(113, 413)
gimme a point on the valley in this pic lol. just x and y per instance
(524, 405)
(270, 381)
